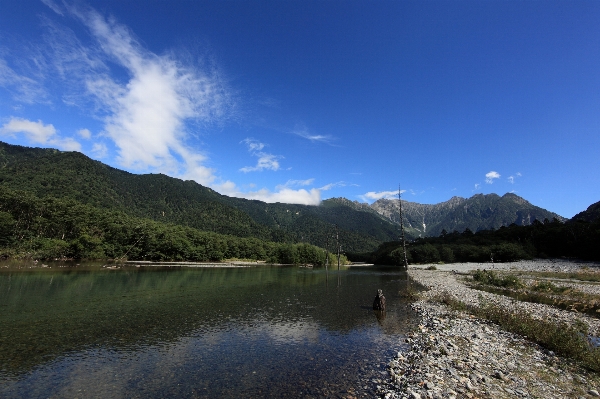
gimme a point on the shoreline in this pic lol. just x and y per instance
(456, 355)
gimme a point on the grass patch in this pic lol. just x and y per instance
(544, 292)
(581, 276)
(564, 339)
(547, 286)
(432, 267)
(488, 277)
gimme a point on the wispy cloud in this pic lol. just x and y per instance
(146, 101)
(265, 160)
(306, 134)
(23, 89)
(511, 179)
(85, 133)
(39, 133)
(490, 176)
(337, 184)
(99, 150)
(376, 195)
(296, 183)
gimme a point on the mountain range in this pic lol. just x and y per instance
(480, 212)
(362, 227)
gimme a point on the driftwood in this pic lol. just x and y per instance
(379, 302)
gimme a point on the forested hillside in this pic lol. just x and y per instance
(49, 228)
(72, 175)
(547, 239)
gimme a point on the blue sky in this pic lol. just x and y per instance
(300, 101)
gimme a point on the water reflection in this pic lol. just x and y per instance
(151, 332)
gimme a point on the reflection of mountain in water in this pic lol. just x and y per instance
(48, 313)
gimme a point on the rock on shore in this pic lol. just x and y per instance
(455, 355)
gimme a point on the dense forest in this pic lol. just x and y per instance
(548, 239)
(53, 228)
(72, 175)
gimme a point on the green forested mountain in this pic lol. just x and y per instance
(50, 228)
(72, 175)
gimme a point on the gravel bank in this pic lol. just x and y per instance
(454, 355)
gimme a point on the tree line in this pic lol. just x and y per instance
(541, 239)
(63, 228)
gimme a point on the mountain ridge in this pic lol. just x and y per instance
(50, 172)
(479, 212)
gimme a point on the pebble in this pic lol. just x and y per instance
(453, 354)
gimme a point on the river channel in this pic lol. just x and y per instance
(86, 331)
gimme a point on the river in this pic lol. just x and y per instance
(82, 330)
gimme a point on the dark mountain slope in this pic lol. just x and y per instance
(591, 214)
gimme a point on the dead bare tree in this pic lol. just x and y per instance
(402, 239)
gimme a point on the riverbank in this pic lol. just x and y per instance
(456, 355)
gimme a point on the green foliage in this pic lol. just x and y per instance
(577, 239)
(51, 228)
(488, 277)
(547, 286)
(446, 254)
(425, 253)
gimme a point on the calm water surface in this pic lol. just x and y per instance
(150, 332)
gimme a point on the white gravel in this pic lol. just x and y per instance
(454, 355)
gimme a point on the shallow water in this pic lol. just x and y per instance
(265, 331)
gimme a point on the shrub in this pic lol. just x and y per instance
(490, 278)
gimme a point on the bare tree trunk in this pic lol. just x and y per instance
(402, 226)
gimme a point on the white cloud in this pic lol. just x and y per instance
(373, 195)
(85, 133)
(265, 160)
(253, 145)
(490, 176)
(39, 133)
(304, 133)
(67, 144)
(99, 150)
(477, 186)
(282, 194)
(36, 132)
(146, 101)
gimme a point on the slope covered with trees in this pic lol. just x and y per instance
(71, 175)
(48, 228)
(554, 239)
